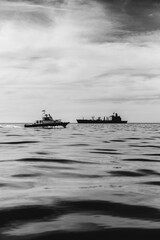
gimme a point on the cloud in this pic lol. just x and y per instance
(83, 56)
(134, 17)
(119, 100)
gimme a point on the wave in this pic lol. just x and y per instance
(27, 175)
(18, 142)
(104, 149)
(105, 152)
(138, 173)
(78, 144)
(93, 207)
(37, 222)
(156, 183)
(118, 140)
(78, 175)
(10, 126)
(66, 161)
(140, 160)
(144, 146)
(42, 153)
(133, 138)
(46, 178)
(149, 172)
(13, 135)
(126, 174)
(151, 154)
(98, 233)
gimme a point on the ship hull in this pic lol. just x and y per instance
(44, 125)
(100, 121)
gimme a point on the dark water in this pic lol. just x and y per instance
(85, 181)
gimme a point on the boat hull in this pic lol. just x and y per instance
(85, 121)
(43, 125)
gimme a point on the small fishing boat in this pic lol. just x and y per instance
(47, 122)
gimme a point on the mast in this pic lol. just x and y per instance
(43, 113)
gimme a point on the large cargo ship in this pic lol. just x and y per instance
(114, 118)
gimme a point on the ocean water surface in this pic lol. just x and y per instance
(82, 181)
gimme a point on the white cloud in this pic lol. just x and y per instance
(64, 62)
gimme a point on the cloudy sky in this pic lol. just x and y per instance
(79, 58)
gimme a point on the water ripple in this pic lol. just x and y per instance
(18, 142)
(85, 179)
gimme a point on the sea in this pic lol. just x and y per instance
(86, 181)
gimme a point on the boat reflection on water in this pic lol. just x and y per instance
(47, 122)
(114, 118)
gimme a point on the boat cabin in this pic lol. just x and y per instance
(47, 117)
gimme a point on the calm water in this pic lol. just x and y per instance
(84, 180)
